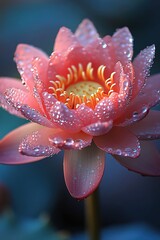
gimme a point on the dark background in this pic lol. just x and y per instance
(37, 189)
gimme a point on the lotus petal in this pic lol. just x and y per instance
(37, 143)
(66, 140)
(9, 145)
(142, 64)
(138, 107)
(64, 40)
(147, 128)
(98, 128)
(123, 43)
(83, 170)
(146, 164)
(86, 32)
(64, 117)
(24, 56)
(119, 141)
(6, 83)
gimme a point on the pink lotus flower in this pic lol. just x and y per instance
(87, 99)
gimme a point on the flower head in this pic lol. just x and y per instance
(87, 99)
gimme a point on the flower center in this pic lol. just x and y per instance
(86, 88)
(82, 86)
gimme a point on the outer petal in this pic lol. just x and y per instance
(98, 128)
(147, 98)
(37, 143)
(148, 163)
(147, 128)
(9, 146)
(17, 97)
(39, 70)
(123, 43)
(64, 40)
(86, 32)
(6, 83)
(83, 170)
(142, 64)
(40, 84)
(119, 141)
(24, 56)
(66, 140)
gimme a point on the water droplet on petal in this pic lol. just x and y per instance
(138, 115)
(78, 144)
(125, 85)
(118, 152)
(135, 114)
(57, 141)
(21, 71)
(69, 142)
(104, 45)
(128, 152)
(36, 150)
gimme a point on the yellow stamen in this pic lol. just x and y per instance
(83, 85)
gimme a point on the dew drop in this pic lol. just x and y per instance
(128, 152)
(109, 150)
(21, 71)
(20, 62)
(75, 178)
(78, 144)
(69, 142)
(23, 82)
(51, 64)
(104, 45)
(125, 85)
(118, 152)
(36, 150)
(144, 109)
(135, 114)
(138, 115)
(57, 142)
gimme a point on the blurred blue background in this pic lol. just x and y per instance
(37, 190)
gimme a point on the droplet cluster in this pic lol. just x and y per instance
(123, 43)
(64, 117)
(127, 152)
(68, 143)
(98, 128)
(142, 64)
(35, 116)
(89, 35)
(24, 65)
(15, 97)
(30, 146)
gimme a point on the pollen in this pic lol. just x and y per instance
(82, 85)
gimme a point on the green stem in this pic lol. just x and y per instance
(93, 216)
